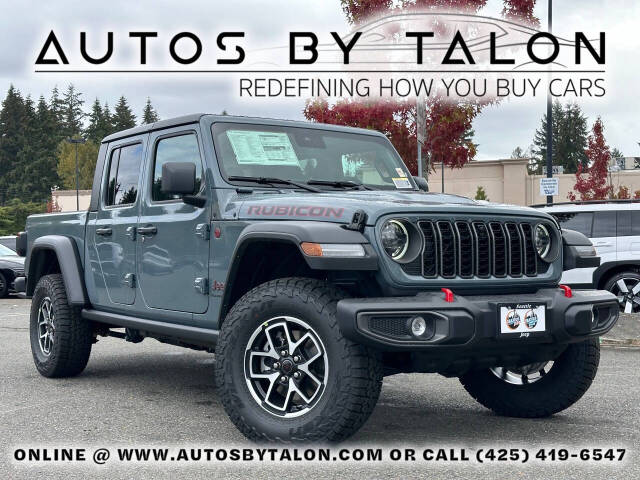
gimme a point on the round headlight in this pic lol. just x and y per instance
(395, 239)
(543, 240)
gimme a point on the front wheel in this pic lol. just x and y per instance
(285, 371)
(540, 389)
(60, 339)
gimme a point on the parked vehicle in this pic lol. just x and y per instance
(9, 241)
(614, 229)
(11, 267)
(312, 263)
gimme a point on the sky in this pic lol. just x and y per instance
(25, 24)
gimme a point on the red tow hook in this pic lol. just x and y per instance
(567, 290)
(448, 295)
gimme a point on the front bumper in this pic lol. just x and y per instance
(468, 327)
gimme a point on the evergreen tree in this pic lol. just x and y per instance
(42, 169)
(107, 127)
(149, 114)
(569, 139)
(72, 113)
(92, 131)
(12, 116)
(21, 184)
(123, 117)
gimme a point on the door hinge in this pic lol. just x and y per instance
(201, 285)
(130, 280)
(202, 231)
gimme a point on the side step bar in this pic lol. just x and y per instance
(201, 336)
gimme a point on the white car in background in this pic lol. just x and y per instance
(614, 230)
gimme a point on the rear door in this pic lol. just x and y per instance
(173, 236)
(113, 231)
(604, 235)
(628, 229)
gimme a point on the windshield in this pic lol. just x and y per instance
(309, 155)
(6, 251)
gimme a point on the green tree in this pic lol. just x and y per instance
(92, 131)
(12, 117)
(481, 194)
(123, 117)
(40, 170)
(72, 113)
(87, 155)
(13, 215)
(149, 114)
(569, 132)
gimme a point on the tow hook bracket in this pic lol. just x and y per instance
(448, 295)
(567, 291)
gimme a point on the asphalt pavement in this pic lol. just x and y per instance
(150, 394)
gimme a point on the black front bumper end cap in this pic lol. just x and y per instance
(472, 321)
(20, 284)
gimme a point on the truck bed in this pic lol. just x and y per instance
(70, 224)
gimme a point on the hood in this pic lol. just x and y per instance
(339, 206)
(6, 259)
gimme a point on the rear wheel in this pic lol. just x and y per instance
(285, 371)
(626, 286)
(4, 286)
(60, 339)
(539, 389)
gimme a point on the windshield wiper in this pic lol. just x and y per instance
(271, 181)
(339, 184)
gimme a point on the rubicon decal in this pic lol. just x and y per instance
(294, 211)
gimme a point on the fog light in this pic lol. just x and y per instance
(418, 326)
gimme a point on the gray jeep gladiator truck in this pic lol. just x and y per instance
(313, 264)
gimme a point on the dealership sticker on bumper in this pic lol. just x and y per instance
(522, 318)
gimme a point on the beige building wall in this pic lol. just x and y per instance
(66, 199)
(507, 181)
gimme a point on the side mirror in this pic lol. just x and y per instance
(178, 178)
(422, 183)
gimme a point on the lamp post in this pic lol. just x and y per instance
(549, 118)
(76, 141)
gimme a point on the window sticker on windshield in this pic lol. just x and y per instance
(401, 182)
(401, 172)
(262, 148)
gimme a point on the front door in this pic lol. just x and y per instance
(114, 228)
(173, 236)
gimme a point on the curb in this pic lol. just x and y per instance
(614, 342)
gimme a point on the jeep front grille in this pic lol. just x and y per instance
(468, 249)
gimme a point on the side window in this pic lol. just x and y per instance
(182, 148)
(604, 224)
(578, 221)
(635, 222)
(124, 172)
(623, 228)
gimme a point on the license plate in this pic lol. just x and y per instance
(522, 319)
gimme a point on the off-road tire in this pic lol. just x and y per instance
(73, 338)
(565, 383)
(355, 372)
(4, 286)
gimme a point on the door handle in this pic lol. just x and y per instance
(104, 231)
(149, 230)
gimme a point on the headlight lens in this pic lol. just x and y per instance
(395, 239)
(543, 240)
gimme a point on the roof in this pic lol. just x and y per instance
(591, 206)
(196, 117)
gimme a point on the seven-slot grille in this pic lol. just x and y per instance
(469, 249)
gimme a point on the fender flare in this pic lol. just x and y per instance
(606, 267)
(294, 233)
(66, 251)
